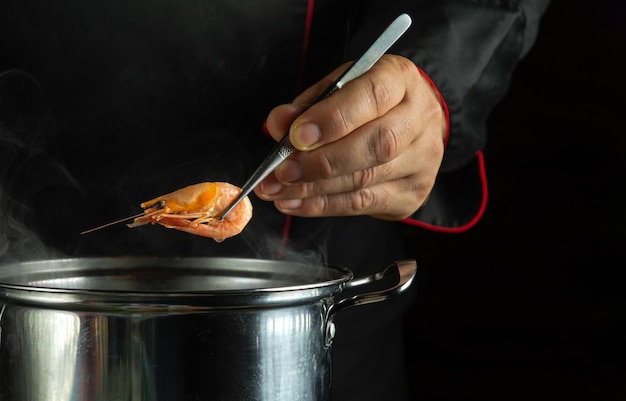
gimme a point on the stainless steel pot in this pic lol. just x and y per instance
(122, 329)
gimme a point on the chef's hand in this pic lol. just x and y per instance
(373, 147)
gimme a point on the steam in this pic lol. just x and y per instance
(22, 161)
(17, 242)
(43, 208)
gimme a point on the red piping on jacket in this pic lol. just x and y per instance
(303, 55)
(475, 219)
(481, 167)
(305, 43)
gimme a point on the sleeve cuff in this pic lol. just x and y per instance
(457, 202)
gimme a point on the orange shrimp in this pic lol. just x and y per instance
(196, 209)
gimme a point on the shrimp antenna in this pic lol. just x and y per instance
(111, 223)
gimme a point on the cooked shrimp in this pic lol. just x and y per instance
(196, 209)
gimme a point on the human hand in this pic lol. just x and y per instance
(373, 147)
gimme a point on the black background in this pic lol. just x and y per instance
(530, 303)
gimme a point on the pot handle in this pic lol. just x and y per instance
(406, 270)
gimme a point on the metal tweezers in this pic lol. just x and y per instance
(284, 148)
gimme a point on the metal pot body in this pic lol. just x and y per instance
(169, 329)
(264, 354)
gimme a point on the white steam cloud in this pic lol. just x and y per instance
(21, 163)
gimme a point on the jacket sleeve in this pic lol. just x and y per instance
(469, 49)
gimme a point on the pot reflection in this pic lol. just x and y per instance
(51, 352)
(278, 354)
(293, 334)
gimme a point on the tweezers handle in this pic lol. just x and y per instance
(284, 148)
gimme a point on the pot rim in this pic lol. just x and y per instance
(139, 282)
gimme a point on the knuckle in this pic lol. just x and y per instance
(406, 65)
(386, 144)
(319, 206)
(435, 111)
(381, 95)
(340, 120)
(324, 205)
(304, 190)
(363, 200)
(363, 178)
(326, 168)
(418, 188)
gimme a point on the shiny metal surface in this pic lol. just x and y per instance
(168, 283)
(148, 329)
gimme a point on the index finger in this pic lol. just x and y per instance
(357, 103)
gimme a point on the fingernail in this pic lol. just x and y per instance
(307, 135)
(289, 204)
(271, 188)
(289, 171)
